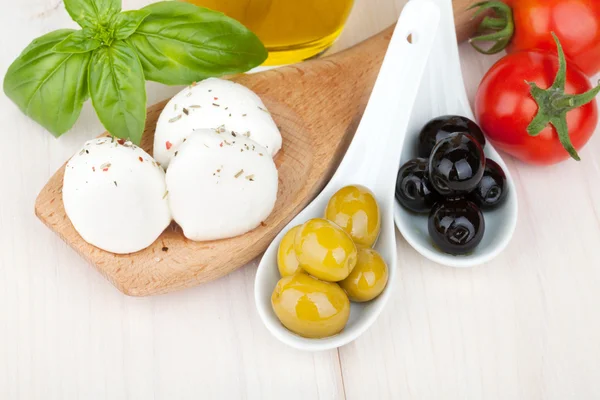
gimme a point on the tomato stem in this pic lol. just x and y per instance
(498, 29)
(554, 104)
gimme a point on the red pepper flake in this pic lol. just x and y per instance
(221, 145)
(121, 141)
(168, 144)
(216, 98)
(105, 166)
(141, 159)
(93, 169)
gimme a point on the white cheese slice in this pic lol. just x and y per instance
(214, 103)
(220, 185)
(115, 195)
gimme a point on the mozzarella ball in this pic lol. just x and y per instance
(115, 195)
(220, 185)
(214, 103)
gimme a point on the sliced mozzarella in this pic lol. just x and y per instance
(214, 103)
(220, 185)
(114, 193)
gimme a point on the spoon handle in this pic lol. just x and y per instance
(374, 154)
(444, 71)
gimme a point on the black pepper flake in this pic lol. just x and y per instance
(209, 90)
(227, 108)
(115, 182)
(178, 117)
(233, 133)
(87, 151)
(186, 111)
(175, 155)
(165, 248)
(243, 115)
(216, 105)
(230, 114)
(240, 172)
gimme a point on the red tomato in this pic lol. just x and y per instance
(504, 107)
(575, 22)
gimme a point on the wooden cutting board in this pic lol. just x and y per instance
(317, 105)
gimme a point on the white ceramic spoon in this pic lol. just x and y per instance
(443, 92)
(371, 160)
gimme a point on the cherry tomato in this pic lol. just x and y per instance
(518, 25)
(575, 22)
(505, 107)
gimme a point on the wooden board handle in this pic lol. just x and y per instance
(465, 26)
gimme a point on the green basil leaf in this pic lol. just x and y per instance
(92, 13)
(179, 43)
(78, 42)
(125, 23)
(49, 87)
(118, 90)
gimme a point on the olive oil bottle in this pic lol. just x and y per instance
(292, 30)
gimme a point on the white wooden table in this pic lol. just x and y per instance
(526, 326)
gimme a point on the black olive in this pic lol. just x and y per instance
(456, 165)
(413, 190)
(491, 190)
(441, 127)
(456, 226)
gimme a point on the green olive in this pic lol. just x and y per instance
(356, 211)
(325, 250)
(286, 256)
(310, 307)
(368, 279)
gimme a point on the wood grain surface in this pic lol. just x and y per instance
(524, 326)
(317, 106)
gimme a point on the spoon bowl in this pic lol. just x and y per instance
(442, 92)
(371, 161)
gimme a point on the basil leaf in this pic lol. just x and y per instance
(91, 13)
(78, 42)
(179, 43)
(125, 23)
(49, 87)
(118, 90)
